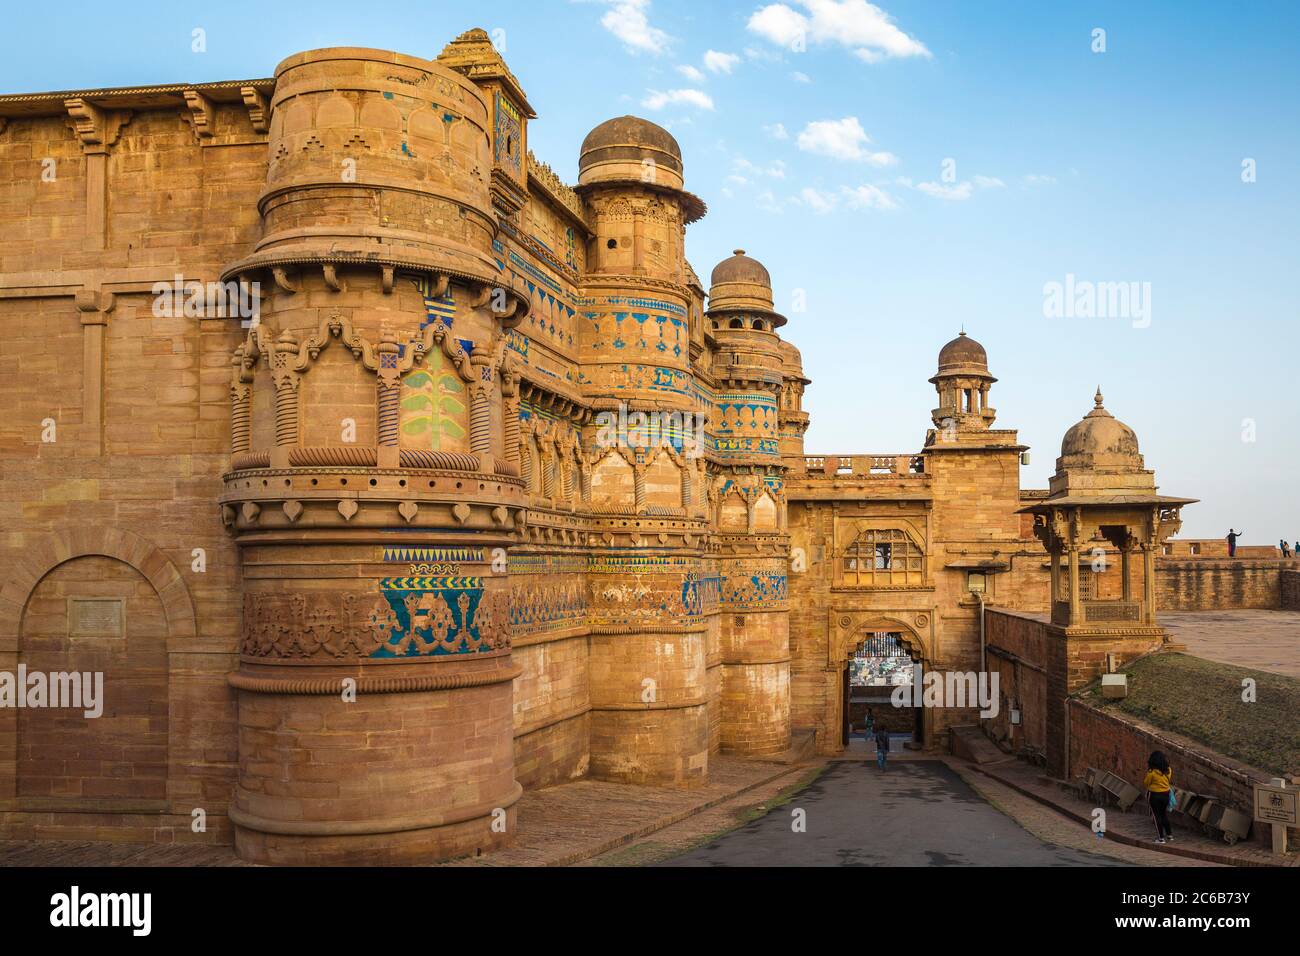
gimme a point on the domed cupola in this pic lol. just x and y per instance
(1103, 501)
(1100, 442)
(962, 381)
(740, 289)
(628, 150)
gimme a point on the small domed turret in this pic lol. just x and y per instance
(1100, 442)
(742, 284)
(963, 381)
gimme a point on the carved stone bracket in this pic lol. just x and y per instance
(258, 111)
(98, 129)
(201, 114)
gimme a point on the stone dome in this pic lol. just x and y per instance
(629, 140)
(791, 361)
(1100, 440)
(740, 268)
(963, 353)
(742, 284)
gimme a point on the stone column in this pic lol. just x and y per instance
(1149, 582)
(1076, 609)
(1055, 554)
(1125, 570)
(94, 307)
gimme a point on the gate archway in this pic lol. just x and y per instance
(879, 662)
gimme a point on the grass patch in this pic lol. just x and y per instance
(1201, 700)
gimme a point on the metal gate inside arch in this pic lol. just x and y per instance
(881, 662)
(883, 659)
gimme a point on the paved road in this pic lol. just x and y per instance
(917, 813)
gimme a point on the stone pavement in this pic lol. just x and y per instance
(1051, 826)
(559, 825)
(60, 853)
(568, 824)
(1134, 828)
(1263, 640)
(916, 813)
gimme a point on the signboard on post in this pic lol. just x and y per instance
(1275, 804)
(1280, 806)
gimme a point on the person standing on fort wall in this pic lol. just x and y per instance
(1232, 542)
(1286, 550)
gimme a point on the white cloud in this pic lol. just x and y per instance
(957, 192)
(779, 24)
(774, 170)
(694, 74)
(657, 100)
(819, 202)
(716, 62)
(776, 131)
(842, 139)
(1038, 179)
(629, 21)
(763, 54)
(799, 77)
(857, 25)
(868, 197)
(823, 201)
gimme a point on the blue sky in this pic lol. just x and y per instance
(826, 159)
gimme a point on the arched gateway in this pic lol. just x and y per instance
(870, 662)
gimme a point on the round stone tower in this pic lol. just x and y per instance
(648, 645)
(793, 419)
(752, 540)
(368, 490)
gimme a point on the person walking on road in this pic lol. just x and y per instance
(1159, 787)
(1233, 535)
(882, 747)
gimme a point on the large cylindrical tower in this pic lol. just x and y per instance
(648, 655)
(752, 538)
(368, 490)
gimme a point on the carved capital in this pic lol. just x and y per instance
(94, 306)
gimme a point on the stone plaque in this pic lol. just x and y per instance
(95, 617)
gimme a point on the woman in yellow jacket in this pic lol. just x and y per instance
(1158, 783)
